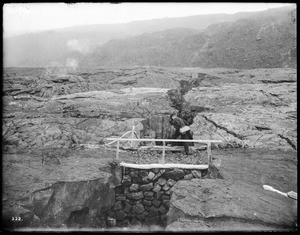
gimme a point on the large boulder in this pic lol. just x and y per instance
(66, 203)
(220, 205)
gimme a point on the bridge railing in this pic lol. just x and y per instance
(208, 142)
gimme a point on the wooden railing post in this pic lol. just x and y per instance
(163, 153)
(132, 135)
(209, 153)
(118, 145)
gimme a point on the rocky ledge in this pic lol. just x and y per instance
(195, 206)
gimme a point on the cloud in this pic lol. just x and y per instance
(82, 45)
(72, 63)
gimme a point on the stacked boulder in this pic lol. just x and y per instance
(144, 196)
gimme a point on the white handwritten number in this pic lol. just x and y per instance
(17, 218)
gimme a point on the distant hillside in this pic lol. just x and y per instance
(66, 46)
(170, 48)
(245, 40)
(261, 40)
(264, 40)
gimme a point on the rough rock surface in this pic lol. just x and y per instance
(248, 115)
(238, 202)
(65, 110)
(55, 121)
(58, 191)
(199, 200)
(256, 113)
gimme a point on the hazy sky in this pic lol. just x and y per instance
(30, 17)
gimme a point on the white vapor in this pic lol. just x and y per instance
(82, 45)
(73, 63)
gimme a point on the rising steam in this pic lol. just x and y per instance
(73, 63)
(81, 45)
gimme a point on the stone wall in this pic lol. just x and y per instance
(143, 198)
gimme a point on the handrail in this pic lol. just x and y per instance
(167, 165)
(208, 142)
(132, 133)
(167, 140)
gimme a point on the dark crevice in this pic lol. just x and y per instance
(210, 221)
(131, 82)
(77, 217)
(223, 128)
(200, 109)
(292, 117)
(177, 100)
(288, 141)
(244, 221)
(262, 128)
(278, 81)
(276, 95)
